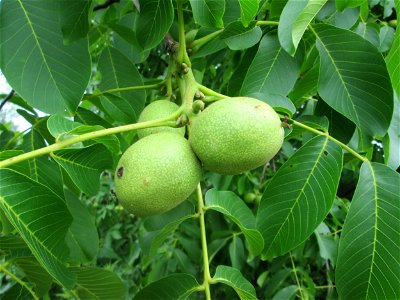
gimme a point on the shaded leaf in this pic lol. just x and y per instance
(236, 253)
(391, 140)
(161, 235)
(386, 36)
(340, 127)
(235, 209)
(118, 109)
(75, 19)
(153, 22)
(232, 277)
(117, 71)
(287, 293)
(354, 83)
(42, 219)
(88, 117)
(31, 51)
(82, 238)
(368, 263)
(238, 37)
(98, 284)
(272, 70)
(208, 13)
(299, 196)
(35, 274)
(172, 287)
(42, 168)
(84, 165)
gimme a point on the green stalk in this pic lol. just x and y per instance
(207, 277)
(197, 44)
(347, 148)
(129, 88)
(261, 23)
(296, 277)
(22, 283)
(168, 121)
(182, 54)
(209, 92)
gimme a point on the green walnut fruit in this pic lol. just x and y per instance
(236, 135)
(156, 110)
(156, 174)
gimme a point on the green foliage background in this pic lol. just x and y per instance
(319, 221)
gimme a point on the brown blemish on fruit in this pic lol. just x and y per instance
(120, 172)
(146, 181)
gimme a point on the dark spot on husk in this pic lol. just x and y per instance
(120, 172)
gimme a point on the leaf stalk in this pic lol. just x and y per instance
(344, 146)
(201, 212)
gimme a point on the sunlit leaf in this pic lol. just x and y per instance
(31, 51)
(42, 219)
(84, 165)
(299, 196)
(248, 10)
(208, 13)
(393, 62)
(368, 265)
(295, 18)
(354, 80)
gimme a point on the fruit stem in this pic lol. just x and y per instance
(167, 121)
(207, 277)
(347, 148)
